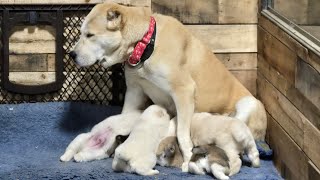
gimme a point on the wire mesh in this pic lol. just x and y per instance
(94, 84)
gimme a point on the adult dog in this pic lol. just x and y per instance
(181, 74)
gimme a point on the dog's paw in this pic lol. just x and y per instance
(79, 157)
(185, 167)
(67, 156)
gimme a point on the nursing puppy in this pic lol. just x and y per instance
(138, 153)
(210, 159)
(101, 141)
(181, 74)
(168, 153)
(228, 133)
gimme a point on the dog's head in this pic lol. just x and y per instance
(106, 36)
(168, 151)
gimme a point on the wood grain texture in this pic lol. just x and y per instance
(32, 78)
(308, 82)
(311, 145)
(32, 33)
(244, 11)
(28, 63)
(239, 61)
(248, 79)
(308, 56)
(287, 154)
(227, 38)
(188, 11)
(146, 3)
(280, 108)
(39, 47)
(209, 12)
(288, 89)
(277, 54)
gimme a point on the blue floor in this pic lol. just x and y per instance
(34, 136)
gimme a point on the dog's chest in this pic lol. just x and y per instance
(152, 90)
(157, 95)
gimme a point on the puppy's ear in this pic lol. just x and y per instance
(199, 150)
(114, 19)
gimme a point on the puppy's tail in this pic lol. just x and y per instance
(252, 112)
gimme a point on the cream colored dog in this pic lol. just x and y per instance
(182, 74)
(100, 142)
(138, 153)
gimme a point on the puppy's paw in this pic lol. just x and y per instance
(185, 167)
(255, 163)
(67, 156)
(79, 157)
(154, 172)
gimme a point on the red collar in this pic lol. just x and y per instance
(146, 42)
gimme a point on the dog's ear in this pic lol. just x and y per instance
(114, 19)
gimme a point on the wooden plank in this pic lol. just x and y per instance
(146, 3)
(244, 11)
(248, 79)
(295, 96)
(35, 62)
(227, 38)
(296, 10)
(188, 11)
(32, 78)
(285, 113)
(239, 61)
(277, 54)
(313, 171)
(32, 33)
(51, 62)
(287, 154)
(208, 12)
(311, 145)
(38, 47)
(308, 82)
(291, 43)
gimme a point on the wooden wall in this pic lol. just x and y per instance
(229, 27)
(289, 86)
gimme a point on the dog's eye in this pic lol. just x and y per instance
(89, 35)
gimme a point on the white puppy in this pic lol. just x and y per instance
(138, 153)
(230, 134)
(101, 141)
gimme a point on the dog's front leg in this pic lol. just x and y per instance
(183, 97)
(135, 99)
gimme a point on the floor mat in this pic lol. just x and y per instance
(33, 137)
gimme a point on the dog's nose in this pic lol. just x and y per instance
(73, 54)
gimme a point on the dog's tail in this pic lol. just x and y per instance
(252, 112)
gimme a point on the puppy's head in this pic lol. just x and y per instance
(156, 112)
(109, 33)
(168, 152)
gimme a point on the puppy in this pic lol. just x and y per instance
(169, 153)
(100, 142)
(138, 153)
(209, 158)
(228, 133)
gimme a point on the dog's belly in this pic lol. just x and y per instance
(158, 96)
